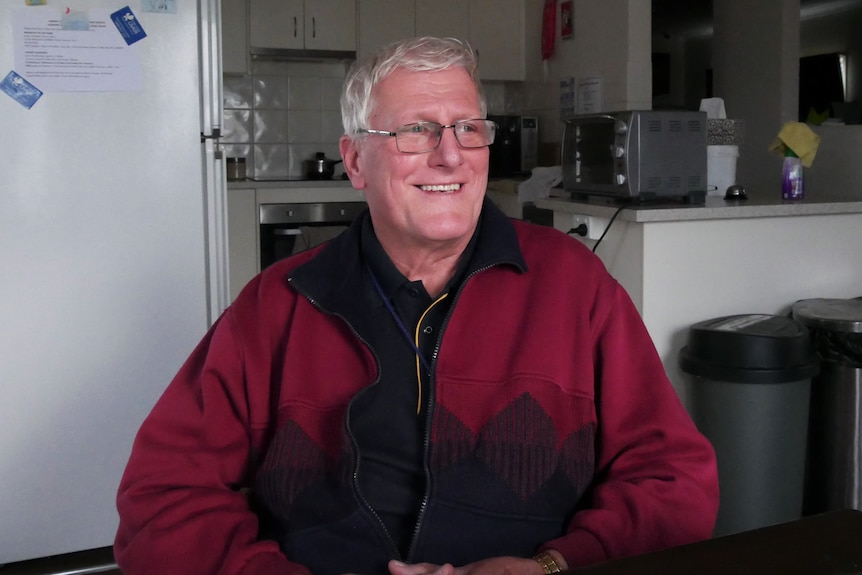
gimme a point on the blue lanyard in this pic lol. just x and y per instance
(400, 323)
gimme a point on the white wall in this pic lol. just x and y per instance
(757, 74)
(837, 169)
(611, 40)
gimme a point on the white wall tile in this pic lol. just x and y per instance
(271, 92)
(331, 127)
(305, 127)
(270, 161)
(237, 92)
(237, 126)
(495, 95)
(330, 93)
(271, 126)
(304, 93)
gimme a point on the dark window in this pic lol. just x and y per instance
(660, 74)
(820, 84)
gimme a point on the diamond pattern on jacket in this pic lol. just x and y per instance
(293, 463)
(519, 445)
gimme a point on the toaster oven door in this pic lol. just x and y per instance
(592, 155)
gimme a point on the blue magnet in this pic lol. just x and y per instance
(128, 25)
(20, 90)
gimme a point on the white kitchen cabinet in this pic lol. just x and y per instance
(243, 252)
(382, 22)
(234, 36)
(443, 18)
(495, 28)
(497, 32)
(303, 25)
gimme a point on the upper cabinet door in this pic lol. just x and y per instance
(276, 24)
(234, 36)
(382, 22)
(497, 32)
(443, 18)
(330, 25)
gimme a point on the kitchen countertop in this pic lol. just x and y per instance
(714, 208)
(298, 191)
(269, 184)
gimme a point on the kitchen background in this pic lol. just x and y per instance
(279, 113)
(284, 112)
(276, 131)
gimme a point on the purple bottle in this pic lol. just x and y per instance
(791, 181)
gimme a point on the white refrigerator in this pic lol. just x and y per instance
(112, 246)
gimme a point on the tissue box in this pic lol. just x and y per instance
(724, 132)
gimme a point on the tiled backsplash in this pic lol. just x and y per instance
(285, 112)
(282, 114)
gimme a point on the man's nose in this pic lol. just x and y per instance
(449, 150)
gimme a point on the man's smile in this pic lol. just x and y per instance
(441, 188)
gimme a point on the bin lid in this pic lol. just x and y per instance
(750, 348)
(843, 315)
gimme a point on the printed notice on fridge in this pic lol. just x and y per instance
(89, 56)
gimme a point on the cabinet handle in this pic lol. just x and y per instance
(294, 26)
(313, 27)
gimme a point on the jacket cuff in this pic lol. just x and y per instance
(578, 548)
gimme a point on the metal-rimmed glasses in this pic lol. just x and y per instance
(420, 137)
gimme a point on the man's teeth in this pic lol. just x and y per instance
(446, 188)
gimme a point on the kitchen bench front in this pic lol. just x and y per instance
(685, 263)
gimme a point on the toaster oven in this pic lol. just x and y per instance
(637, 155)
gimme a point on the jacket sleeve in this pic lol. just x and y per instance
(656, 483)
(180, 501)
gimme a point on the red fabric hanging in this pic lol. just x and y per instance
(549, 28)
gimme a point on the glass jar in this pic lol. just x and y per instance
(235, 169)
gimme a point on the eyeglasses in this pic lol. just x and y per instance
(420, 137)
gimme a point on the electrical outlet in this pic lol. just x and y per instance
(576, 220)
(593, 226)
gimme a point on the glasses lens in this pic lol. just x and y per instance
(425, 136)
(418, 137)
(475, 133)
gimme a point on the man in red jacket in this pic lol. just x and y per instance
(440, 389)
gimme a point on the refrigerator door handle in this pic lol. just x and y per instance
(215, 177)
(214, 135)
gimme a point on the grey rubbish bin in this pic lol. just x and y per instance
(835, 428)
(750, 398)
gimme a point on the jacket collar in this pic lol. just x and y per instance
(336, 271)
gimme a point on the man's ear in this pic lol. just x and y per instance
(350, 149)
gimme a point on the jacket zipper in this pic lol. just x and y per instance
(355, 476)
(429, 414)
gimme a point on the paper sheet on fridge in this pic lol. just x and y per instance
(87, 55)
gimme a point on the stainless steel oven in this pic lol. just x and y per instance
(286, 229)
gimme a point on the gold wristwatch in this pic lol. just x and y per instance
(547, 561)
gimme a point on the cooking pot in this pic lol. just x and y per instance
(320, 168)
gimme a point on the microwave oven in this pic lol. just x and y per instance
(637, 155)
(515, 151)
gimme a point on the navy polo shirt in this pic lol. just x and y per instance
(389, 419)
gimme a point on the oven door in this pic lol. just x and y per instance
(287, 229)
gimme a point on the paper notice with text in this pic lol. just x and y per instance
(65, 51)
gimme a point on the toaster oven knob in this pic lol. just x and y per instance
(619, 151)
(622, 128)
(620, 179)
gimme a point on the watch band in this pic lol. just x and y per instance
(547, 561)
